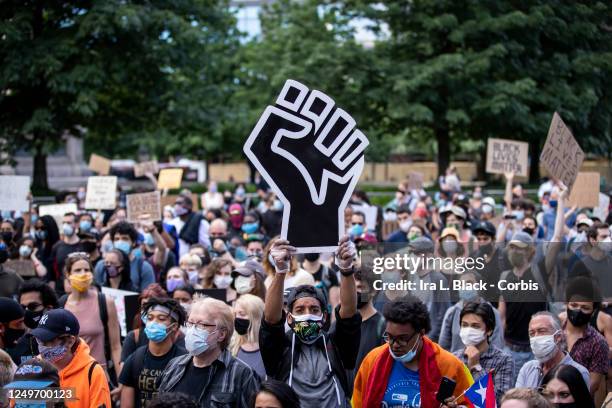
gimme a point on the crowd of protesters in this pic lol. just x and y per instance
(230, 315)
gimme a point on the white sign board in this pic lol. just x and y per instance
(370, 212)
(101, 193)
(14, 192)
(118, 297)
(57, 211)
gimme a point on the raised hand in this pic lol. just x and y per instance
(311, 155)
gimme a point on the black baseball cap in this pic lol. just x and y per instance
(486, 227)
(302, 291)
(55, 323)
(10, 310)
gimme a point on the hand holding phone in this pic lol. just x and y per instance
(446, 389)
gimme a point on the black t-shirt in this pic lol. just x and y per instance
(498, 262)
(194, 381)
(141, 370)
(25, 349)
(60, 251)
(372, 330)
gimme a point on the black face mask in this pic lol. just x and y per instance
(529, 231)
(487, 248)
(11, 336)
(565, 405)
(7, 237)
(362, 301)
(241, 325)
(89, 246)
(311, 257)
(577, 317)
(31, 318)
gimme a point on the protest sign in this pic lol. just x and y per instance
(57, 211)
(124, 303)
(14, 192)
(171, 199)
(170, 178)
(101, 193)
(144, 204)
(586, 190)
(370, 212)
(505, 156)
(99, 164)
(311, 154)
(23, 267)
(140, 169)
(415, 180)
(601, 211)
(561, 155)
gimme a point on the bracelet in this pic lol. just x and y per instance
(348, 272)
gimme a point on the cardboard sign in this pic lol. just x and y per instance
(140, 169)
(101, 193)
(415, 180)
(14, 192)
(23, 267)
(144, 204)
(170, 178)
(311, 154)
(561, 155)
(601, 211)
(171, 199)
(586, 191)
(504, 156)
(57, 211)
(123, 299)
(99, 164)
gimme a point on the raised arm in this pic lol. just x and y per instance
(345, 256)
(281, 253)
(508, 192)
(555, 243)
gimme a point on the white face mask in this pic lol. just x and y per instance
(405, 225)
(243, 284)
(450, 246)
(471, 336)
(543, 347)
(222, 281)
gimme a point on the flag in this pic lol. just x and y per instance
(482, 393)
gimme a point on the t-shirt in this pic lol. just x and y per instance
(253, 359)
(372, 330)
(141, 373)
(403, 388)
(194, 381)
(25, 349)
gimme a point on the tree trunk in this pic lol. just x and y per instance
(481, 165)
(534, 163)
(39, 181)
(443, 141)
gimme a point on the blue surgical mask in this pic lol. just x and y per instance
(123, 246)
(357, 230)
(33, 218)
(467, 294)
(196, 341)
(277, 206)
(519, 214)
(148, 239)
(85, 225)
(553, 203)
(409, 356)
(6, 215)
(137, 253)
(173, 284)
(68, 230)
(25, 251)
(250, 228)
(156, 332)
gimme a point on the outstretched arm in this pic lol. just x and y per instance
(281, 253)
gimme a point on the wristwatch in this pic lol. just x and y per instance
(348, 272)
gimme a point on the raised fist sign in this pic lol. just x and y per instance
(311, 155)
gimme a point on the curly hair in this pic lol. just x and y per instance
(124, 228)
(47, 295)
(408, 309)
(171, 304)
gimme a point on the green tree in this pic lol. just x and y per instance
(123, 73)
(480, 69)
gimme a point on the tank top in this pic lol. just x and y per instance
(91, 330)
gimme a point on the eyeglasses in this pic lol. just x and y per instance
(32, 306)
(402, 340)
(201, 326)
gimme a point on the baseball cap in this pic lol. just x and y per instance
(586, 221)
(421, 245)
(34, 373)
(248, 268)
(55, 323)
(449, 231)
(455, 209)
(489, 200)
(10, 310)
(521, 239)
(486, 227)
(303, 291)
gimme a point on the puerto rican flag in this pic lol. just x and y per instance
(482, 393)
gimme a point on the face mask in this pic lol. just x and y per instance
(553, 203)
(193, 277)
(187, 307)
(123, 246)
(196, 341)
(67, 230)
(405, 225)
(25, 251)
(40, 235)
(243, 284)
(11, 336)
(31, 318)
(471, 337)
(487, 209)
(173, 284)
(52, 354)
(148, 239)
(362, 301)
(543, 347)
(6, 215)
(3, 253)
(222, 282)
(85, 226)
(605, 245)
(7, 237)
(112, 271)
(212, 189)
(33, 218)
(156, 332)
(107, 246)
(357, 230)
(241, 325)
(277, 206)
(81, 282)
(516, 259)
(250, 228)
(409, 356)
(565, 405)
(256, 254)
(519, 214)
(413, 236)
(486, 248)
(311, 257)
(179, 210)
(577, 317)
(467, 294)
(528, 230)
(137, 252)
(307, 327)
(450, 246)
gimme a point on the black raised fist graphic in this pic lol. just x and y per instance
(311, 155)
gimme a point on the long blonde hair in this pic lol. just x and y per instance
(254, 308)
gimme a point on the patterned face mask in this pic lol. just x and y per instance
(307, 327)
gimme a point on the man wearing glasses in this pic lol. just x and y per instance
(209, 373)
(408, 369)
